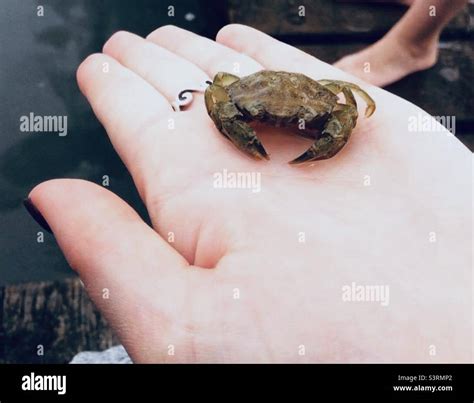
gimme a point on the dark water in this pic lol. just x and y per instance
(39, 56)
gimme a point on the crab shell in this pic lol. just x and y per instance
(284, 99)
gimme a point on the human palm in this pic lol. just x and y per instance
(257, 276)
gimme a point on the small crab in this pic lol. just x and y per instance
(285, 99)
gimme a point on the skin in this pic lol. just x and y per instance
(410, 46)
(229, 240)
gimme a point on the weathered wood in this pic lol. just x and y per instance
(56, 315)
(280, 17)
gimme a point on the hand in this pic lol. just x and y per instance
(238, 284)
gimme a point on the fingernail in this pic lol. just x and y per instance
(34, 212)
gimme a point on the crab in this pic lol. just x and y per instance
(285, 99)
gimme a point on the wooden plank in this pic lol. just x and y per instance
(280, 17)
(56, 315)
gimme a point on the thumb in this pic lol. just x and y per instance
(128, 270)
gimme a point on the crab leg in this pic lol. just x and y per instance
(336, 86)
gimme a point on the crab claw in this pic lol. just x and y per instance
(231, 123)
(335, 135)
(324, 148)
(306, 156)
(257, 150)
(244, 138)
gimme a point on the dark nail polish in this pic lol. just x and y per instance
(34, 212)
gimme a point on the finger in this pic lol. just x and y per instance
(167, 72)
(276, 55)
(210, 56)
(128, 107)
(120, 259)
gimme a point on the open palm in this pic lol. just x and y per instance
(233, 275)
